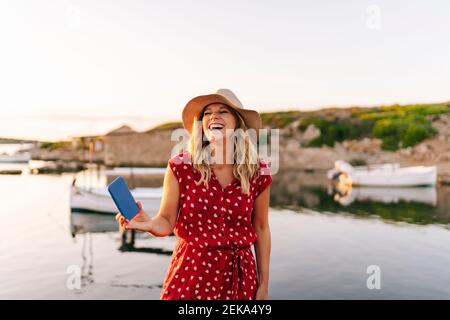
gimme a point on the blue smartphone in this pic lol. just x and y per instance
(123, 198)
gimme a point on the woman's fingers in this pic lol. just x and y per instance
(120, 218)
(133, 225)
(124, 224)
(121, 221)
(139, 204)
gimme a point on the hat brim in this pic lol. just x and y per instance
(195, 106)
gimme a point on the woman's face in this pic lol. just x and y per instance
(217, 118)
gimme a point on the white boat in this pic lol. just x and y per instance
(126, 171)
(391, 175)
(98, 200)
(426, 195)
(91, 222)
(15, 158)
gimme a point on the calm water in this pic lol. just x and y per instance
(320, 248)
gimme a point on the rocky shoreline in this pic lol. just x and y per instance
(433, 151)
(152, 148)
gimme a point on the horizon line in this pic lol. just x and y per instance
(140, 118)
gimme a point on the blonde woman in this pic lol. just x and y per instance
(216, 201)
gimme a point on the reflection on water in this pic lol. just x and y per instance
(349, 194)
(314, 254)
(82, 223)
(421, 205)
(85, 224)
(87, 257)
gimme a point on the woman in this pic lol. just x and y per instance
(217, 209)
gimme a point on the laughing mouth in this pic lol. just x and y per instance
(216, 126)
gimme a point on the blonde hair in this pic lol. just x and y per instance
(245, 164)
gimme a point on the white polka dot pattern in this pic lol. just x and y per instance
(212, 258)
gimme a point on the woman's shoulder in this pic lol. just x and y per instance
(262, 172)
(263, 179)
(180, 164)
(181, 158)
(264, 168)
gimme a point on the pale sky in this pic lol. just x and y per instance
(84, 67)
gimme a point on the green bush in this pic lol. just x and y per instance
(279, 119)
(417, 133)
(46, 145)
(397, 126)
(421, 109)
(402, 132)
(55, 145)
(339, 130)
(397, 111)
(358, 162)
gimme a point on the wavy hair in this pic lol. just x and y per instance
(245, 160)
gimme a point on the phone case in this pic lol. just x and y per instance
(123, 198)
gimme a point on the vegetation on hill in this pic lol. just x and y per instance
(397, 126)
(50, 146)
(168, 126)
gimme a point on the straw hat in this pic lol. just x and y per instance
(195, 106)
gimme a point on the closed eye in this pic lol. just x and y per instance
(207, 113)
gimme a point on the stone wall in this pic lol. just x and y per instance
(154, 149)
(80, 155)
(147, 149)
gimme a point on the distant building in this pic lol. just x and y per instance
(92, 148)
(126, 147)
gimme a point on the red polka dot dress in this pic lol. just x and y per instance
(212, 258)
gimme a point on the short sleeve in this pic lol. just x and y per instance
(264, 179)
(175, 168)
(178, 165)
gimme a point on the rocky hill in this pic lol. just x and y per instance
(409, 135)
(313, 140)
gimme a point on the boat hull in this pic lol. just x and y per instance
(99, 201)
(388, 195)
(385, 175)
(20, 158)
(414, 176)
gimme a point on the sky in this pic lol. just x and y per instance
(70, 68)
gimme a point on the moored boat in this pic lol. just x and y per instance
(98, 200)
(391, 175)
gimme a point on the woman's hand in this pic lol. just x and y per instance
(262, 293)
(140, 222)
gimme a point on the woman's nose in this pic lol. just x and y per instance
(215, 115)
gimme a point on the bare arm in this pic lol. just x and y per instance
(263, 242)
(163, 223)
